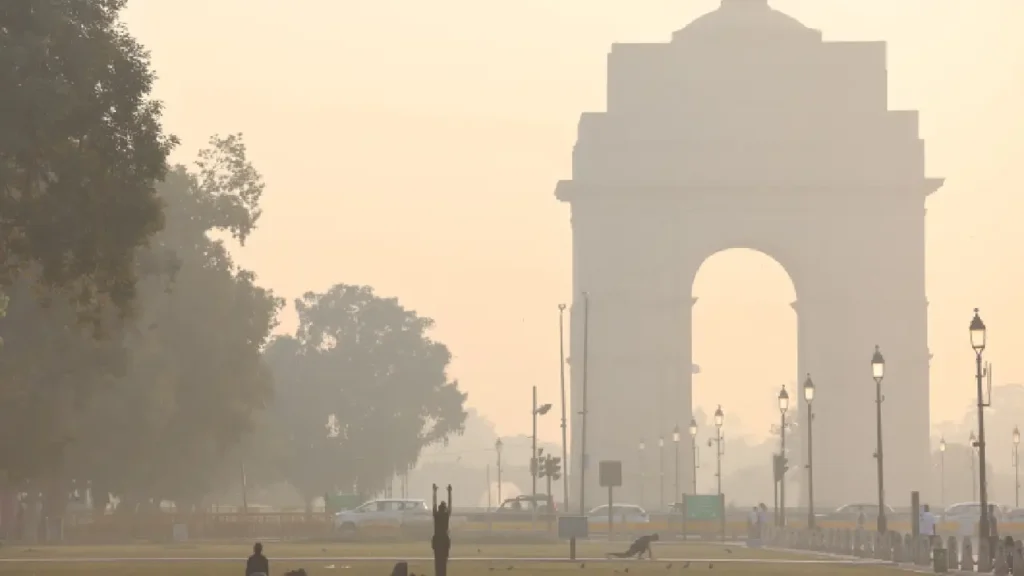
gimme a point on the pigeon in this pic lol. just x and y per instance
(583, 565)
(687, 565)
(711, 566)
(669, 567)
(728, 550)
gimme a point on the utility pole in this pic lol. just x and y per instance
(583, 413)
(534, 461)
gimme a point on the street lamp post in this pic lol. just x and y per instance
(498, 445)
(878, 373)
(974, 476)
(978, 337)
(719, 441)
(809, 397)
(675, 442)
(942, 471)
(661, 473)
(783, 407)
(561, 374)
(696, 463)
(643, 476)
(1016, 468)
(535, 463)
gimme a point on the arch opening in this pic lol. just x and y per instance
(744, 349)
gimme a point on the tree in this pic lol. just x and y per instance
(80, 151)
(361, 389)
(197, 377)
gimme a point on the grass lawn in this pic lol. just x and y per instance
(319, 559)
(475, 568)
(584, 549)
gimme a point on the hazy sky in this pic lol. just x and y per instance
(414, 146)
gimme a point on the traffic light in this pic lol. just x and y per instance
(553, 468)
(780, 465)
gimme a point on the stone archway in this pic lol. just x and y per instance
(747, 130)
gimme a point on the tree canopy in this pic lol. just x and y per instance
(361, 389)
(150, 415)
(197, 375)
(80, 151)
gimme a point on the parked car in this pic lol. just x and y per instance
(544, 503)
(854, 512)
(625, 513)
(383, 514)
(968, 514)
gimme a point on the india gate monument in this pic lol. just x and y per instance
(747, 130)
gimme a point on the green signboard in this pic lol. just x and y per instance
(339, 502)
(703, 506)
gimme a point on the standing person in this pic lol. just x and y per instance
(753, 533)
(993, 530)
(441, 542)
(762, 520)
(927, 523)
(257, 565)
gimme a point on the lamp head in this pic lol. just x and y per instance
(643, 445)
(783, 400)
(877, 365)
(498, 444)
(808, 389)
(942, 445)
(693, 427)
(977, 333)
(719, 417)
(661, 441)
(675, 434)
(1016, 436)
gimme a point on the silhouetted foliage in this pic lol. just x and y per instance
(361, 389)
(80, 150)
(197, 374)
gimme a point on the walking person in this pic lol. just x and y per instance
(441, 542)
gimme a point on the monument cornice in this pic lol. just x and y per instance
(572, 190)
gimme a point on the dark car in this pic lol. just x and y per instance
(521, 504)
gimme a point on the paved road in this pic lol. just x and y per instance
(278, 559)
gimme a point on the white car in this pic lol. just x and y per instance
(968, 514)
(393, 514)
(621, 513)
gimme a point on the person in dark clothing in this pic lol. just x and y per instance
(637, 549)
(441, 542)
(257, 565)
